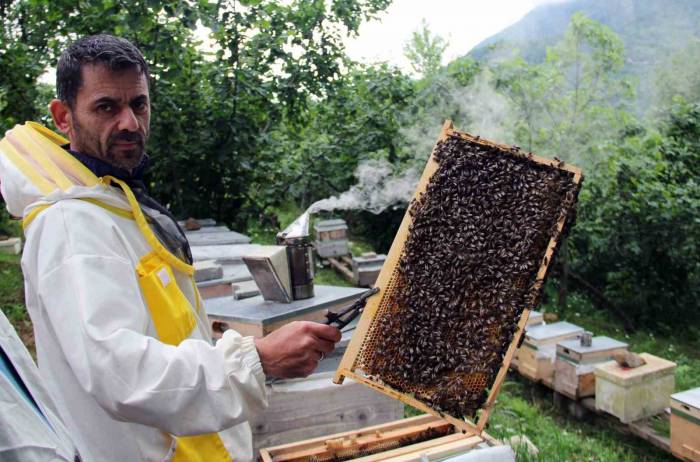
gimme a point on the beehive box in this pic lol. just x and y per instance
(466, 267)
(538, 352)
(574, 364)
(13, 246)
(366, 268)
(403, 440)
(685, 425)
(633, 394)
(331, 238)
(536, 318)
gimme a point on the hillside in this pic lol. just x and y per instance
(652, 30)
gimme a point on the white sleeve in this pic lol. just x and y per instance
(94, 306)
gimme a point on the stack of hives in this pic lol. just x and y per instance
(466, 267)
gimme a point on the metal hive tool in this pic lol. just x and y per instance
(425, 339)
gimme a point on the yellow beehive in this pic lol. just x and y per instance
(633, 394)
(685, 425)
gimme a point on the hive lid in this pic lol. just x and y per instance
(624, 376)
(688, 397)
(548, 331)
(535, 317)
(330, 225)
(379, 258)
(601, 343)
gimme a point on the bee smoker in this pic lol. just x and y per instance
(297, 241)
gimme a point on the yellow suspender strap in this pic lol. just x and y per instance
(26, 221)
(151, 238)
(200, 448)
(170, 312)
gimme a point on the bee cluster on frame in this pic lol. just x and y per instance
(478, 237)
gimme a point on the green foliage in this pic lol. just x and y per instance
(425, 50)
(12, 292)
(212, 112)
(313, 156)
(569, 105)
(678, 79)
(638, 231)
(8, 227)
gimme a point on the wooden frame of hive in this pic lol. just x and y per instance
(325, 447)
(385, 282)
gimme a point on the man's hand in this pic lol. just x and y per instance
(295, 349)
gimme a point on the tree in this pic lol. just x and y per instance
(424, 51)
(570, 105)
(215, 106)
(638, 234)
(677, 80)
(314, 156)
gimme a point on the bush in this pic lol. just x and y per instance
(639, 230)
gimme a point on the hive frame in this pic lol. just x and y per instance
(348, 364)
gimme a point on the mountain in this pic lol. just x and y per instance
(652, 31)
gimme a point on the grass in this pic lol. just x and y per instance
(526, 409)
(12, 299)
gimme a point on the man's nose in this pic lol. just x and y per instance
(128, 120)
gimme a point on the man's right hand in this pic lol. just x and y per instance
(295, 349)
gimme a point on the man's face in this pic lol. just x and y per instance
(111, 116)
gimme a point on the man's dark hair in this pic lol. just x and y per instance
(115, 53)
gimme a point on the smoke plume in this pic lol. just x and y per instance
(378, 187)
(478, 109)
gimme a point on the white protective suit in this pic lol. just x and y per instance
(24, 435)
(118, 385)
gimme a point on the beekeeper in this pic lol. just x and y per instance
(30, 428)
(121, 334)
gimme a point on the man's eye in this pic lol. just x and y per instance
(105, 108)
(140, 107)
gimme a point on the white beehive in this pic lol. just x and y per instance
(331, 238)
(536, 358)
(13, 246)
(575, 363)
(633, 394)
(536, 318)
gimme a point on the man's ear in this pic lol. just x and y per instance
(62, 116)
